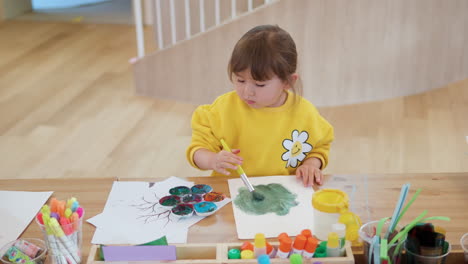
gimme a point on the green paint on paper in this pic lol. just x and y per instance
(278, 200)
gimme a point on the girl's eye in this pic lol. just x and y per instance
(240, 81)
(260, 85)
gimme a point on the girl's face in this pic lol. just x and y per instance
(259, 94)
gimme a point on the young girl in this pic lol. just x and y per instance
(278, 131)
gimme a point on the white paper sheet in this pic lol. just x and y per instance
(109, 236)
(271, 225)
(16, 211)
(124, 220)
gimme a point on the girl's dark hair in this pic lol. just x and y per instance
(266, 50)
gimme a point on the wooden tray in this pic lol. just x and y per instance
(217, 254)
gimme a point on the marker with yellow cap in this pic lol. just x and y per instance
(333, 245)
(64, 243)
(260, 245)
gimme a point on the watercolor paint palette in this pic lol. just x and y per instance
(185, 202)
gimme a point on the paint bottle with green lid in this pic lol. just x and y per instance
(234, 253)
(295, 259)
(320, 252)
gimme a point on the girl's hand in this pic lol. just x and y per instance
(224, 160)
(309, 172)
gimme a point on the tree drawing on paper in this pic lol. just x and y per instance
(278, 200)
(151, 210)
(170, 207)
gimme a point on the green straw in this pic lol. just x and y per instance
(443, 218)
(408, 227)
(380, 225)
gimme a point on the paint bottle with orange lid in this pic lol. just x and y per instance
(310, 247)
(307, 233)
(271, 250)
(299, 244)
(284, 247)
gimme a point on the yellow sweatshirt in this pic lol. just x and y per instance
(273, 141)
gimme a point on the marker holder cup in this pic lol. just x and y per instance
(367, 232)
(39, 258)
(64, 249)
(413, 258)
(464, 245)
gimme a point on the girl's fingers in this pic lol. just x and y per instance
(220, 169)
(230, 157)
(227, 165)
(233, 160)
(224, 152)
(223, 171)
(305, 177)
(236, 151)
(318, 177)
(299, 173)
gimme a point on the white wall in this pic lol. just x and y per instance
(348, 53)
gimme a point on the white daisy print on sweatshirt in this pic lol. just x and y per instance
(297, 148)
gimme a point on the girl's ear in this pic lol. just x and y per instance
(294, 78)
(292, 81)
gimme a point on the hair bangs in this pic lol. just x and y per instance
(253, 56)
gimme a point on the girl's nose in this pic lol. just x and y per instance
(249, 89)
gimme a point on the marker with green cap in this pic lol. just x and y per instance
(295, 259)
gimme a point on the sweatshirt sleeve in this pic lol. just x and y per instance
(321, 149)
(204, 123)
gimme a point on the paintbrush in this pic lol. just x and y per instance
(257, 196)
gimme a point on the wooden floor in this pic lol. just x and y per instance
(68, 109)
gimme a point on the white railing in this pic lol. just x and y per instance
(137, 5)
(137, 11)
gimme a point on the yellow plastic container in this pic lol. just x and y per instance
(332, 206)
